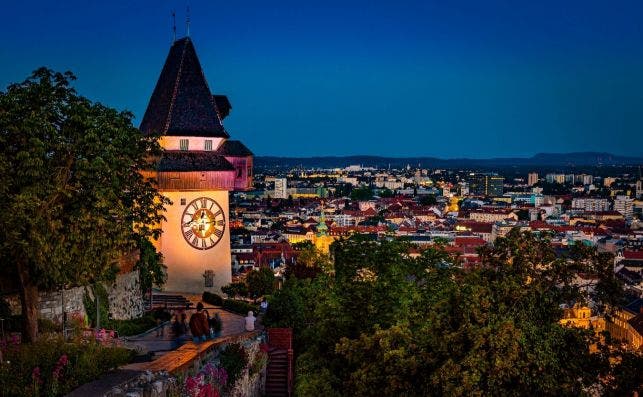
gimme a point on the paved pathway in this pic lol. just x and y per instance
(160, 340)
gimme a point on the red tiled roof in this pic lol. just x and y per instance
(469, 241)
(633, 255)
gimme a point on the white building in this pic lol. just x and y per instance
(532, 178)
(584, 179)
(625, 206)
(281, 188)
(555, 178)
(590, 204)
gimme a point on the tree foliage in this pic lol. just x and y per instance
(428, 199)
(150, 265)
(235, 289)
(73, 199)
(260, 282)
(387, 324)
(362, 193)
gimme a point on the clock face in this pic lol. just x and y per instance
(203, 223)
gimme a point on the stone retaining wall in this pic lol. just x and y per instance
(125, 297)
(125, 300)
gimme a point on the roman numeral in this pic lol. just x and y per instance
(203, 244)
(218, 232)
(211, 205)
(195, 242)
(195, 205)
(218, 213)
(220, 222)
(188, 234)
(203, 202)
(212, 241)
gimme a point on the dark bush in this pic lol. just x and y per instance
(234, 359)
(133, 326)
(213, 299)
(239, 307)
(46, 325)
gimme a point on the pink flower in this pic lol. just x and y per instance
(63, 360)
(35, 375)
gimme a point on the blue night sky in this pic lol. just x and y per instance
(435, 78)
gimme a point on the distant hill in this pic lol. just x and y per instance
(538, 160)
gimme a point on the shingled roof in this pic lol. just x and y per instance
(182, 104)
(179, 161)
(223, 105)
(234, 149)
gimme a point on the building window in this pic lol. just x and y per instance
(182, 201)
(208, 144)
(208, 278)
(183, 144)
(239, 172)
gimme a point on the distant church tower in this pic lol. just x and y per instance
(200, 165)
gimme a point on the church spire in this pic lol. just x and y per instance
(322, 229)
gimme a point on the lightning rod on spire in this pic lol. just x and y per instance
(187, 22)
(173, 26)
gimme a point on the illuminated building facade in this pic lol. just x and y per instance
(486, 185)
(198, 168)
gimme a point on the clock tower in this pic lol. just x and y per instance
(200, 165)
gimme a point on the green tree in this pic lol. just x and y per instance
(385, 323)
(73, 198)
(302, 245)
(235, 289)
(309, 263)
(362, 193)
(150, 265)
(428, 199)
(260, 282)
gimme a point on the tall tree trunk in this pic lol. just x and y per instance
(29, 299)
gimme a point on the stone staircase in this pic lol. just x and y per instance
(169, 301)
(277, 373)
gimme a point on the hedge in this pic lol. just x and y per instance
(239, 307)
(232, 305)
(213, 299)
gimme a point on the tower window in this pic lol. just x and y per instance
(182, 201)
(183, 144)
(208, 144)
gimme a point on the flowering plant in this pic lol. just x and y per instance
(209, 382)
(57, 374)
(36, 381)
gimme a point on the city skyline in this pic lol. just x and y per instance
(477, 81)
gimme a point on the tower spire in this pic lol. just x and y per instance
(187, 22)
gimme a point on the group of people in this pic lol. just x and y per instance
(201, 325)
